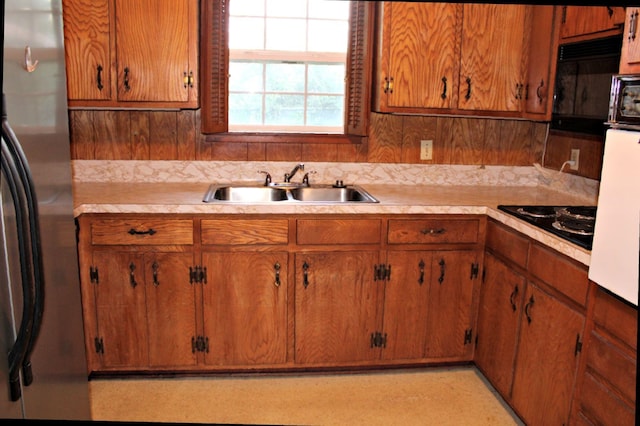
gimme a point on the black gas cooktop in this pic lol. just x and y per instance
(572, 223)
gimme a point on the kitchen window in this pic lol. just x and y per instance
(220, 94)
(287, 65)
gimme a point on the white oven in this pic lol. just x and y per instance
(615, 256)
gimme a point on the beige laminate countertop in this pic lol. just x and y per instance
(132, 197)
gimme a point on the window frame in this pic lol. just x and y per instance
(214, 74)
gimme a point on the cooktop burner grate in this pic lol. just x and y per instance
(571, 223)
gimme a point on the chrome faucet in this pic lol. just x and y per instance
(288, 176)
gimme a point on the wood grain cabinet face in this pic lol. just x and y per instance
(414, 34)
(547, 358)
(501, 303)
(606, 388)
(245, 294)
(245, 307)
(531, 326)
(395, 304)
(491, 63)
(428, 299)
(87, 45)
(437, 57)
(590, 20)
(630, 55)
(131, 53)
(183, 293)
(139, 299)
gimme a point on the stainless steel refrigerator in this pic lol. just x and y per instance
(42, 361)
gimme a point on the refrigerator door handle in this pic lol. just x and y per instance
(22, 168)
(20, 347)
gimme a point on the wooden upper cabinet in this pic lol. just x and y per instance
(132, 53)
(419, 63)
(466, 59)
(630, 55)
(542, 57)
(492, 57)
(87, 41)
(588, 21)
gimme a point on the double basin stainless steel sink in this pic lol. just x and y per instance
(277, 193)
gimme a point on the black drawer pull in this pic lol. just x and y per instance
(151, 231)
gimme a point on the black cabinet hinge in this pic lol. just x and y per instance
(93, 275)
(99, 344)
(199, 344)
(578, 345)
(381, 272)
(197, 274)
(475, 268)
(468, 335)
(378, 340)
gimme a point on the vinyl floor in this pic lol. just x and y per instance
(436, 396)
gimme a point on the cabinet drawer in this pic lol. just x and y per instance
(432, 231)
(507, 243)
(142, 231)
(600, 406)
(617, 317)
(556, 270)
(608, 361)
(338, 231)
(238, 232)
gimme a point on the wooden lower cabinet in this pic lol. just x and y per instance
(145, 309)
(549, 347)
(140, 308)
(337, 306)
(198, 293)
(557, 347)
(606, 387)
(499, 315)
(245, 308)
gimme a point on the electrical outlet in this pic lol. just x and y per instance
(426, 150)
(575, 157)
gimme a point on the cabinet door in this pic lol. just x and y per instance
(492, 56)
(152, 46)
(547, 359)
(245, 307)
(630, 55)
(87, 49)
(498, 322)
(406, 304)
(450, 316)
(171, 309)
(120, 309)
(420, 40)
(584, 20)
(336, 307)
(542, 51)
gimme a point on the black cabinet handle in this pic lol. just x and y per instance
(528, 307)
(442, 270)
(421, 266)
(305, 274)
(99, 77)
(155, 268)
(132, 275)
(444, 88)
(126, 79)
(514, 293)
(276, 269)
(150, 231)
(468, 95)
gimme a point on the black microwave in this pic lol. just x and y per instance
(583, 84)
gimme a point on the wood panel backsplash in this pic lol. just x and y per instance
(174, 135)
